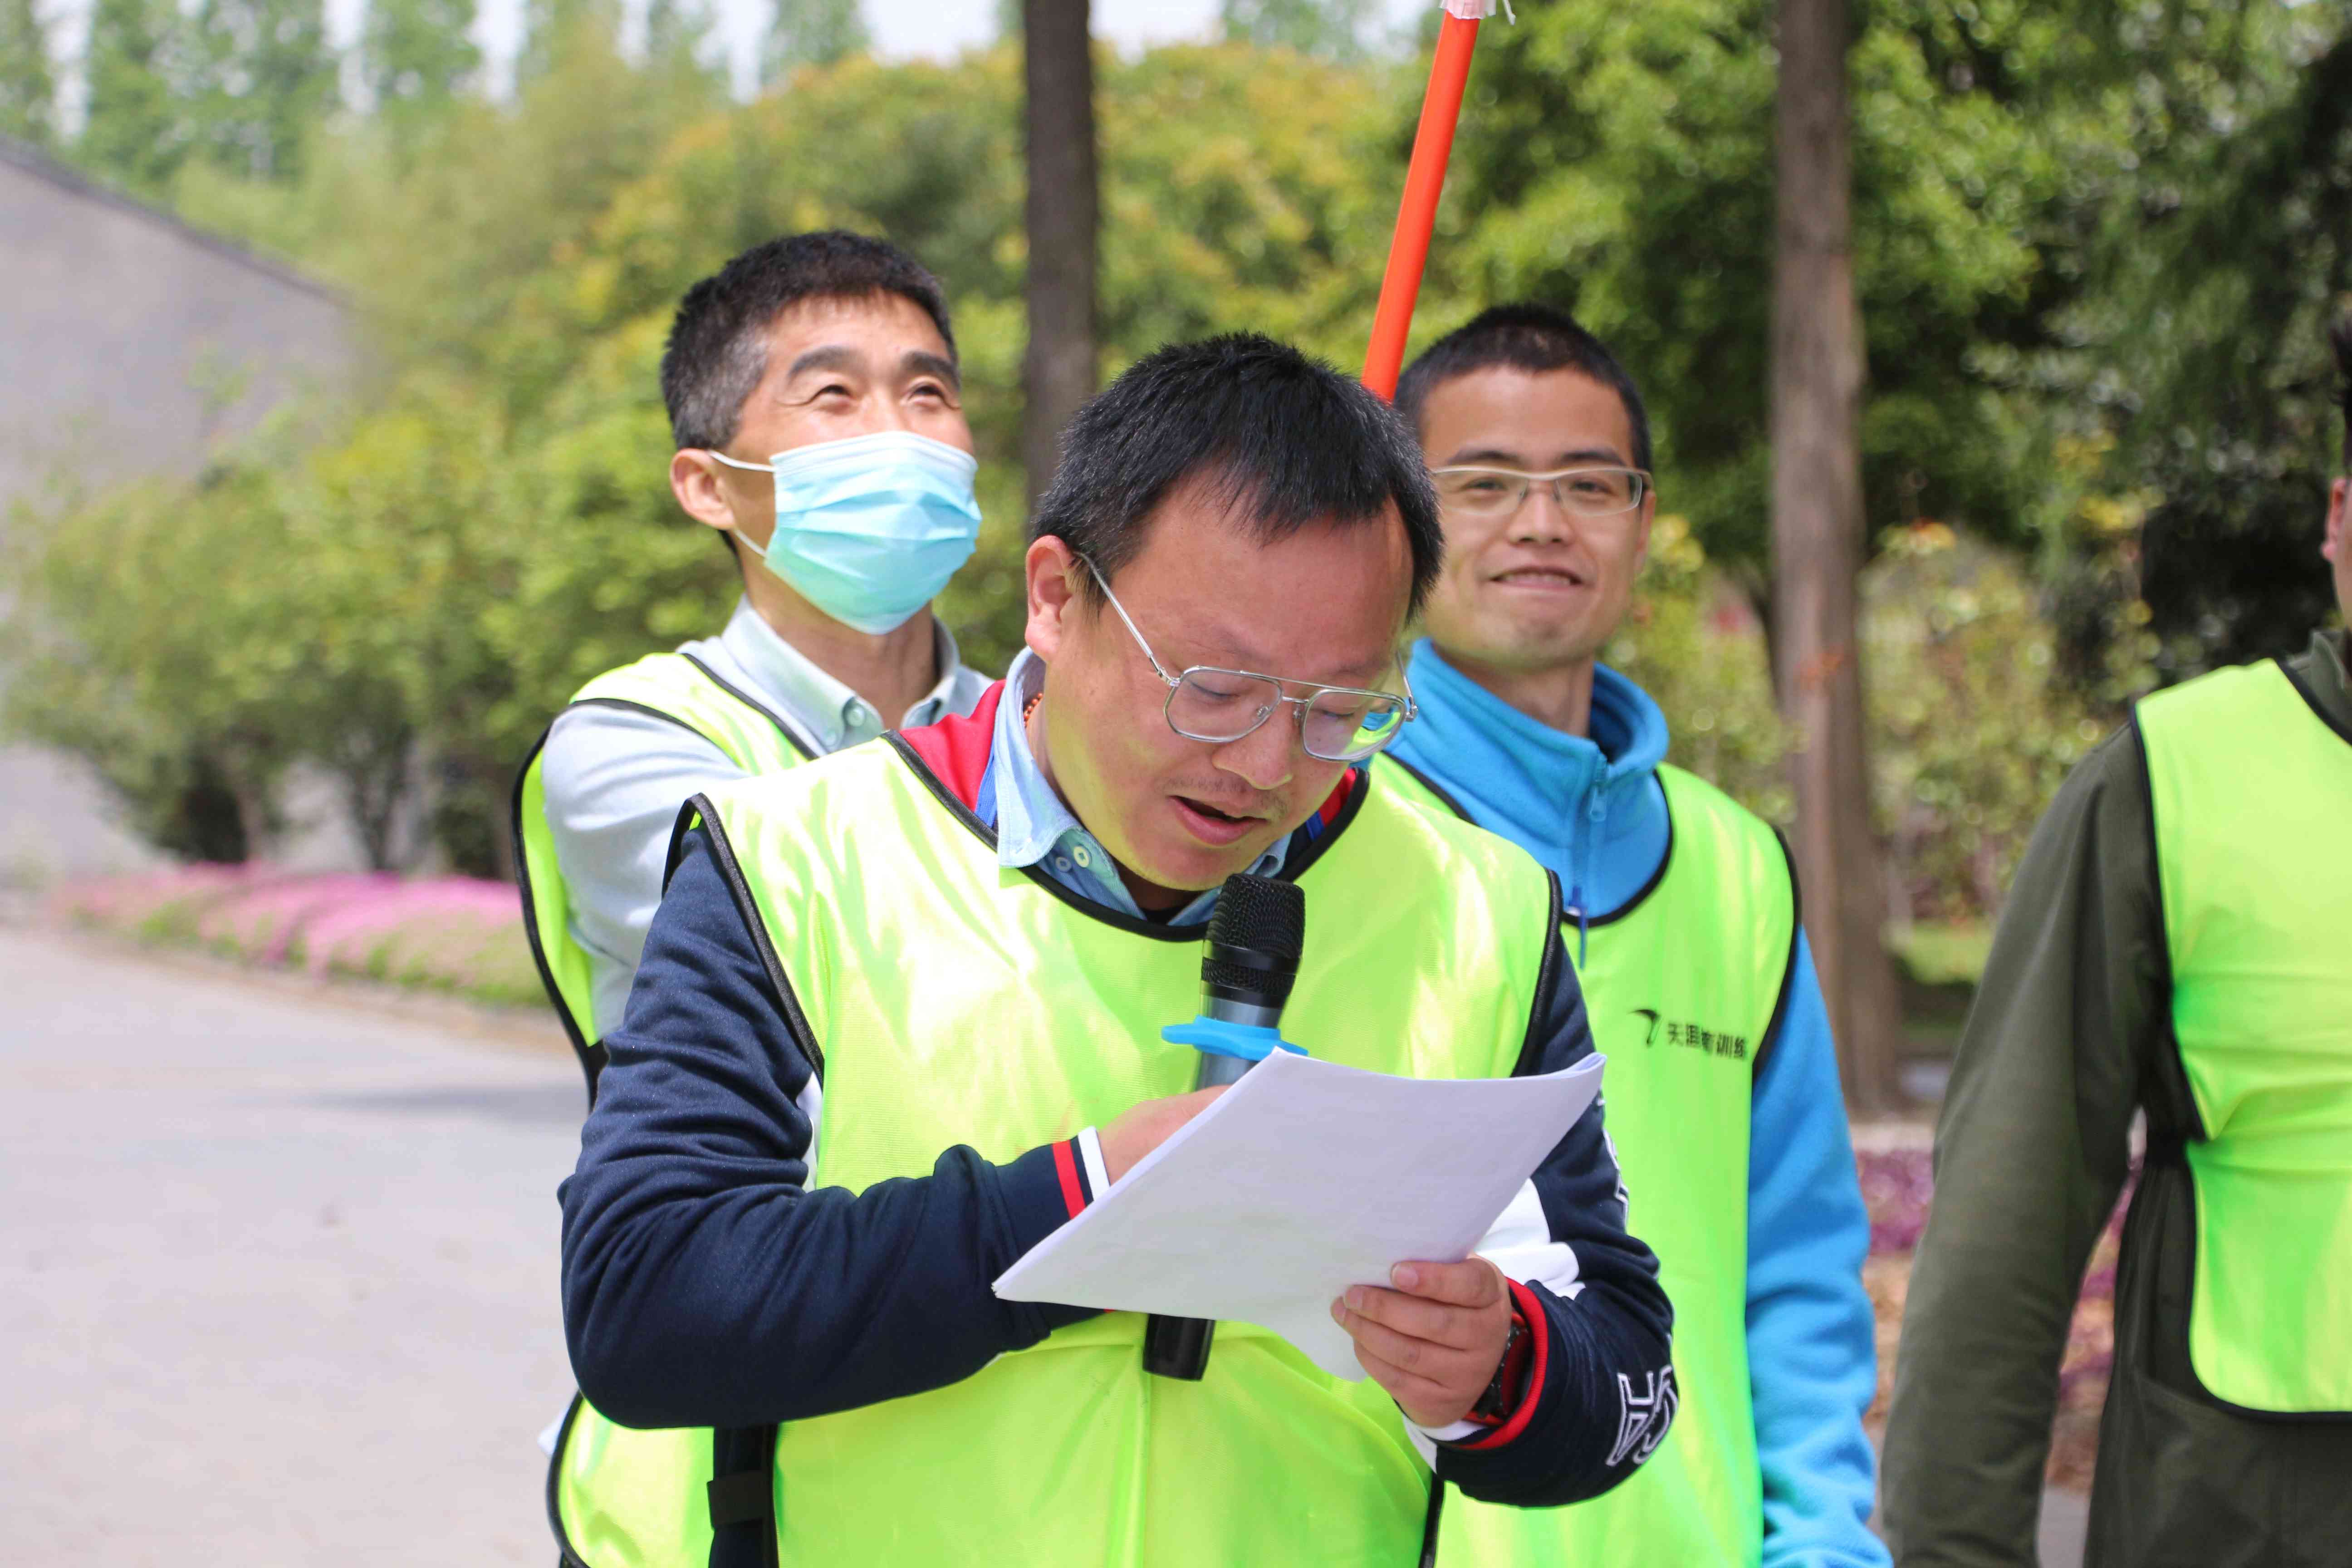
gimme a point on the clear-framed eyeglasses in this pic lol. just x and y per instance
(1335, 724)
(1500, 493)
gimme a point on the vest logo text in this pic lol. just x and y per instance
(1679, 1032)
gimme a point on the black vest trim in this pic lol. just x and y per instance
(805, 747)
(1444, 796)
(591, 1055)
(2303, 688)
(742, 1496)
(1555, 948)
(569, 1558)
(739, 887)
(1656, 877)
(1789, 973)
(2172, 1114)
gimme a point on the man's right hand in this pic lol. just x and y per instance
(1147, 1126)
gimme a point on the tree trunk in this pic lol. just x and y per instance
(1817, 545)
(1062, 217)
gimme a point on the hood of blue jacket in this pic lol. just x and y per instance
(1589, 809)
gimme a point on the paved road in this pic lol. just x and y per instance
(277, 1272)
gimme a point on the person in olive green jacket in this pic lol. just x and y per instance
(2176, 944)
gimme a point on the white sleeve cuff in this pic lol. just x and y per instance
(1090, 1153)
(1425, 1441)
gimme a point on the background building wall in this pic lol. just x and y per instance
(132, 345)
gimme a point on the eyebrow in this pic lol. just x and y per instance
(831, 356)
(842, 357)
(922, 361)
(1473, 457)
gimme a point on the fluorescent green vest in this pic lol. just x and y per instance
(1684, 987)
(2251, 793)
(611, 1493)
(952, 1002)
(673, 686)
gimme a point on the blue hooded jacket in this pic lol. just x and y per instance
(1593, 812)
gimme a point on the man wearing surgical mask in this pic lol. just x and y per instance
(813, 390)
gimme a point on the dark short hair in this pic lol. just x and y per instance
(1285, 439)
(2341, 337)
(1533, 338)
(717, 342)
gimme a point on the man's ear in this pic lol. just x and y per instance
(1050, 568)
(694, 480)
(1649, 520)
(2339, 503)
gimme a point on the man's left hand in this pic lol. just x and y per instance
(1433, 1342)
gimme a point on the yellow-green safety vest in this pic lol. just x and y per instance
(684, 691)
(2249, 789)
(948, 1000)
(1683, 987)
(612, 1492)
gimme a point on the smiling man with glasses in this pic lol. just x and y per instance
(1682, 914)
(899, 1018)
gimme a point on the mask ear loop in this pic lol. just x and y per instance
(767, 469)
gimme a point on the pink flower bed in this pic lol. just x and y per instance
(451, 933)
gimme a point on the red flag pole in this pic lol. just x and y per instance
(1433, 144)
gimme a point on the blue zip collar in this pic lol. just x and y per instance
(1589, 809)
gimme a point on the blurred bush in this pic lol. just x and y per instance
(1971, 727)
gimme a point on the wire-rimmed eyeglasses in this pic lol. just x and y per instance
(1335, 724)
(1500, 493)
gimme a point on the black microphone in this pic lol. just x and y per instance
(1247, 973)
(1255, 940)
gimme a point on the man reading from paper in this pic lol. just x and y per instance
(899, 1019)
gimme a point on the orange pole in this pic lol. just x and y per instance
(1433, 144)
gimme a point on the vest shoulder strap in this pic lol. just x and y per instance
(687, 691)
(678, 689)
(1751, 859)
(1415, 784)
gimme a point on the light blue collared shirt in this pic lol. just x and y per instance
(1034, 827)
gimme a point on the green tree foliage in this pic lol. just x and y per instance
(2226, 274)
(137, 71)
(678, 37)
(267, 77)
(2082, 232)
(1692, 642)
(27, 82)
(144, 646)
(553, 28)
(812, 33)
(1246, 188)
(417, 55)
(1336, 29)
(1619, 160)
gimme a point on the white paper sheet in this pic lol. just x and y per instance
(1300, 1181)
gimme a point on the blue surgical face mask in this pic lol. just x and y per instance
(870, 529)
